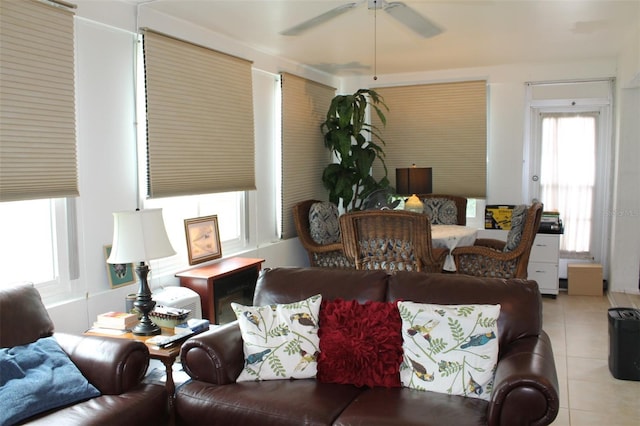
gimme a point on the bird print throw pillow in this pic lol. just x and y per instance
(279, 341)
(450, 349)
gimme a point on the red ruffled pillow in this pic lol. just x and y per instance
(360, 344)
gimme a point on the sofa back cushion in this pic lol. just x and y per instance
(287, 285)
(521, 302)
(23, 317)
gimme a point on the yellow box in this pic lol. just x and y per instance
(584, 279)
(498, 216)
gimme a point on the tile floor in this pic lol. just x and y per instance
(589, 394)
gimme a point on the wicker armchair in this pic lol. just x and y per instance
(392, 240)
(461, 204)
(320, 255)
(488, 258)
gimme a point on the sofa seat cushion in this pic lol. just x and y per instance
(275, 402)
(409, 407)
(146, 401)
(38, 377)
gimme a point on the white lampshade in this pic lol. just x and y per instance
(139, 236)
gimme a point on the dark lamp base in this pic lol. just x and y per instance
(145, 304)
(146, 329)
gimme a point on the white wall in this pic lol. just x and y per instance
(625, 213)
(106, 138)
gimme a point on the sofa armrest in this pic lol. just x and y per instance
(114, 366)
(525, 388)
(215, 356)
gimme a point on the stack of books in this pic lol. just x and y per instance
(551, 223)
(116, 321)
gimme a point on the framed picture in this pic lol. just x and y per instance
(203, 239)
(119, 274)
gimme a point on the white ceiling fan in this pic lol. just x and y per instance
(398, 10)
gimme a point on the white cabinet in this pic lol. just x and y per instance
(543, 261)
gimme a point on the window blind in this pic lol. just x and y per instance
(443, 126)
(304, 156)
(200, 134)
(38, 156)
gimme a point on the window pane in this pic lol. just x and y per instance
(28, 240)
(228, 206)
(567, 176)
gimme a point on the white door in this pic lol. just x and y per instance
(569, 167)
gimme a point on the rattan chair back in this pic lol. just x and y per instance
(320, 255)
(391, 240)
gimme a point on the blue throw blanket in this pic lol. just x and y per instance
(38, 377)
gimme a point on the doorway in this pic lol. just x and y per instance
(569, 152)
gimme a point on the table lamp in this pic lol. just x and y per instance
(414, 180)
(140, 236)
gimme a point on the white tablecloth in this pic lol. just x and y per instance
(452, 236)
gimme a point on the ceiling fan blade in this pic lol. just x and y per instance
(306, 25)
(412, 19)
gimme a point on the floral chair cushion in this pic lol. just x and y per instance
(518, 218)
(389, 254)
(323, 223)
(441, 211)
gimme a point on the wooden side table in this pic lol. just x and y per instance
(167, 356)
(215, 283)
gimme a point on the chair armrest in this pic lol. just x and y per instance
(491, 243)
(112, 365)
(326, 248)
(215, 356)
(526, 384)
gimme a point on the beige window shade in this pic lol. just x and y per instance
(304, 156)
(443, 126)
(37, 102)
(200, 134)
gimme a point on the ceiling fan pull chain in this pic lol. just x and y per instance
(375, 40)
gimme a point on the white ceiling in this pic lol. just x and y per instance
(475, 32)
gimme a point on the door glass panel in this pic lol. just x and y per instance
(568, 176)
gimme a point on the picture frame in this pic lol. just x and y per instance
(119, 275)
(203, 239)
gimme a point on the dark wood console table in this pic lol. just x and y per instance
(217, 284)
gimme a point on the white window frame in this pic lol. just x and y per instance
(177, 209)
(63, 228)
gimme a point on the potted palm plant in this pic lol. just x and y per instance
(345, 134)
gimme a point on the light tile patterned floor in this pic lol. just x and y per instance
(589, 394)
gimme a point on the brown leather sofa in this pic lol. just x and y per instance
(115, 367)
(525, 388)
